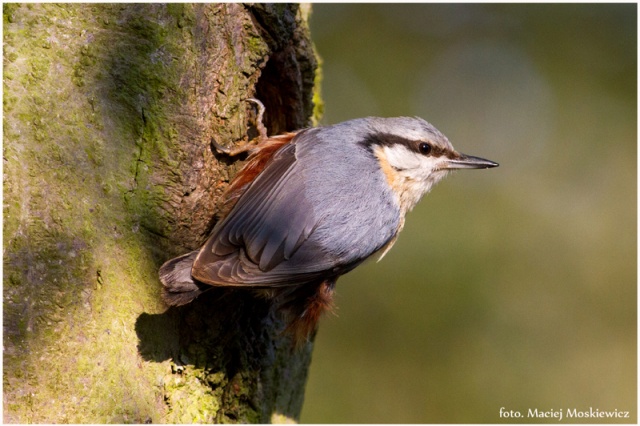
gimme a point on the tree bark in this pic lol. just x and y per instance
(109, 112)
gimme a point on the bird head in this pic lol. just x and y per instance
(414, 156)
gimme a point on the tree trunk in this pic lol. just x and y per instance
(109, 112)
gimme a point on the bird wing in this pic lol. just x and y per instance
(264, 238)
(298, 221)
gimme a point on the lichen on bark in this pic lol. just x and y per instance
(109, 110)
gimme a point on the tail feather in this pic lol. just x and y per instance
(179, 288)
(303, 305)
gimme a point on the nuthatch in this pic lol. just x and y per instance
(310, 206)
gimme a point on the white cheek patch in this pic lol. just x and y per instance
(400, 157)
(411, 163)
(410, 174)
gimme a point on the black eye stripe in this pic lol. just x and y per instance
(426, 148)
(386, 139)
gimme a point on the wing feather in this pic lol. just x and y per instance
(265, 228)
(294, 222)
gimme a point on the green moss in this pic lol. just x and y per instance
(95, 152)
(190, 399)
(256, 43)
(183, 14)
(88, 59)
(55, 232)
(11, 57)
(8, 12)
(39, 67)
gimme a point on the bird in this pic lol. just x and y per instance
(309, 206)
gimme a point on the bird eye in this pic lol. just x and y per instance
(424, 148)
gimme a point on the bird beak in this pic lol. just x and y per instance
(468, 162)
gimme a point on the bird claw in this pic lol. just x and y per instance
(247, 146)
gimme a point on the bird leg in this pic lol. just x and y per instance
(246, 146)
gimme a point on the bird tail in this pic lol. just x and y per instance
(179, 288)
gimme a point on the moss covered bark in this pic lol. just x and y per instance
(108, 115)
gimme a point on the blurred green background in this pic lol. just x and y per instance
(512, 287)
